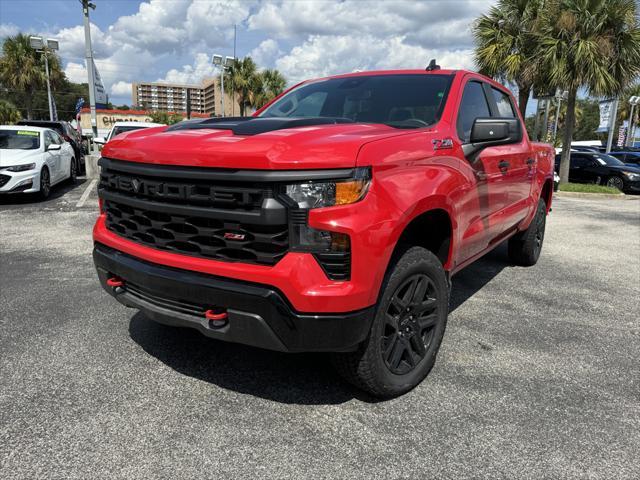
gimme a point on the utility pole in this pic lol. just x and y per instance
(86, 5)
(560, 95)
(612, 124)
(233, 91)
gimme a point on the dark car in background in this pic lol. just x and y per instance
(630, 158)
(66, 131)
(602, 169)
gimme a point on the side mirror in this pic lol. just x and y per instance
(100, 140)
(54, 146)
(491, 132)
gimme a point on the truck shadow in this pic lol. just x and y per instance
(306, 379)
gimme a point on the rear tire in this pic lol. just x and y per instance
(525, 247)
(407, 328)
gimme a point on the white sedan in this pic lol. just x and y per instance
(33, 159)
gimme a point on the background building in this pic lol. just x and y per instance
(205, 98)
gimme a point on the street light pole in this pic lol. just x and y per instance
(224, 64)
(42, 45)
(86, 5)
(222, 90)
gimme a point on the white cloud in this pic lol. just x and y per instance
(330, 55)
(121, 89)
(266, 53)
(201, 68)
(301, 38)
(8, 30)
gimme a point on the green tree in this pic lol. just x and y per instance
(9, 114)
(241, 80)
(22, 71)
(165, 117)
(506, 45)
(592, 44)
(271, 83)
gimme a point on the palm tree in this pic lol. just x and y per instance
(506, 46)
(22, 69)
(591, 44)
(240, 80)
(272, 84)
(9, 114)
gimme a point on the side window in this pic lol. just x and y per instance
(473, 105)
(579, 161)
(48, 139)
(57, 138)
(505, 108)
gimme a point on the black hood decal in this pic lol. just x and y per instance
(255, 125)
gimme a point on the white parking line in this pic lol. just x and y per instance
(86, 193)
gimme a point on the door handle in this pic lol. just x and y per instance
(503, 166)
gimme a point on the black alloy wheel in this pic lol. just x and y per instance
(410, 319)
(615, 182)
(45, 183)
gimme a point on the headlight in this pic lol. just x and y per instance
(632, 176)
(330, 193)
(22, 168)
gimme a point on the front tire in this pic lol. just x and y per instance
(615, 182)
(45, 184)
(525, 247)
(407, 329)
(73, 171)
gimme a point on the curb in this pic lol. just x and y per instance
(607, 196)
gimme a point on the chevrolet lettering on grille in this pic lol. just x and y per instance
(179, 191)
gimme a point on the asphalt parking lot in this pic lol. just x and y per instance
(538, 375)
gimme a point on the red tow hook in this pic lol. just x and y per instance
(216, 319)
(115, 282)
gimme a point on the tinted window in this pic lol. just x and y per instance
(402, 101)
(603, 159)
(48, 139)
(580, 161)
(474, 104)
(56, 138)
(19, 140)
(505, 108)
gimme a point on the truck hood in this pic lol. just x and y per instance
(11, 157)
(305, 147)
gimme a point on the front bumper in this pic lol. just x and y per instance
(257, 315)
(19, 182)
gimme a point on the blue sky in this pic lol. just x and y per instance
(173, 40)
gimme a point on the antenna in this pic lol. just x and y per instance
(432, 66)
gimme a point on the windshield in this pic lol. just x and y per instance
(119, 130)
(19, 140)
(608, 160)
(402, 101)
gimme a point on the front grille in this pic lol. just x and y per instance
(193, 212)
(4, 179)
(199, 236)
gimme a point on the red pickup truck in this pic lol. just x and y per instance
(332, 220)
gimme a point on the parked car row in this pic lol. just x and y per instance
(602, 169)
(34, 159)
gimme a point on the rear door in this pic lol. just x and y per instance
(516, 161)
(578, 169)
(52, 157)
(481, 204)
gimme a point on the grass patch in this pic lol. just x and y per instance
(588, 188)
